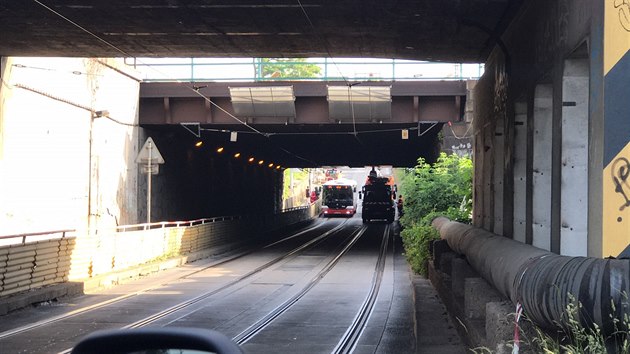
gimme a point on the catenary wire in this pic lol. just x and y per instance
(176, 80)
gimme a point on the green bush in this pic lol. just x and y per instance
(441, 189)
(416, 241)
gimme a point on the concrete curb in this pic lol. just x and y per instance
(40, 295)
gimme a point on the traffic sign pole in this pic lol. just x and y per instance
(150, 160)
(149, 173)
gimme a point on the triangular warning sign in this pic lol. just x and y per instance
(148, 152)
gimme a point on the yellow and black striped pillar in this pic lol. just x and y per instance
(616, 142)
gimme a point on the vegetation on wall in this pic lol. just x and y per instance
(430, 190)
(296, 181)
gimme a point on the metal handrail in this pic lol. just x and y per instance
(187, 223)
(42, 233)
(165, 224)
(145, 226)
(254, 66)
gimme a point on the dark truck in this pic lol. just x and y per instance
(378, 201)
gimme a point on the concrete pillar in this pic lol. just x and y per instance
(520, 172)
(574, 197)
(541, 178)
(488, 174)
(498, 173)
(460, 271)
(438, 249)
(477, 293)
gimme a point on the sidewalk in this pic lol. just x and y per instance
(435, 331)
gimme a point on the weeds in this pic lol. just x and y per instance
(576, 338)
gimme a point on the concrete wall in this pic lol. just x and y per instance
(57, 164)
(539, 102)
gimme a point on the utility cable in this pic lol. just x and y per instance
(197, 92)
(193, 89)
(128, 55)
(327, 48)
(83, 29)
(323, 41)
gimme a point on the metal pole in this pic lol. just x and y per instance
(149, 173)
(90, 221)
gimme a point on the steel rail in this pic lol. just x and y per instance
(257, 327)
(178, 307)
(182, 305)
(118, 299)
(350, 339)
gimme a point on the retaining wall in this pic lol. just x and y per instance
(110, 255)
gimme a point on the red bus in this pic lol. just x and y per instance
(339, 197)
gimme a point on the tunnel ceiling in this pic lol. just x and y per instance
(436, 30)
(309, 146)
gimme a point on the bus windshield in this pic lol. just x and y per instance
(337, 196)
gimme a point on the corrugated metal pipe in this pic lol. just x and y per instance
(543, 282)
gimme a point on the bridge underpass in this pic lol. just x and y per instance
(550, 114)
(308, 128)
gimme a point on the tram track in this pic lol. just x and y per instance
(351, 337)
(200, 298)
(151, 319)
(119, 299)
(254, 329)
(258, 318)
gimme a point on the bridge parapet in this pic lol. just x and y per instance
(210, 102)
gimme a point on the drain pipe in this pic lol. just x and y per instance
(544, 282)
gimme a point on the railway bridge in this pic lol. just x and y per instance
(549, 123)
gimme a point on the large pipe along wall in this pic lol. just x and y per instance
(543, 282)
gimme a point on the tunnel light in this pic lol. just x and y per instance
(199, 143)
(261, 162)
(220, 150)
(237, 155)
(251, 159)
(270, 165)
(278, 167)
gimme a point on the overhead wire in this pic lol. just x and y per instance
(267, 135)
(327, 47)
(192, 88)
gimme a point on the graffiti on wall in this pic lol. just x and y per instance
(620, 173)
(616, 204)
(623, 8)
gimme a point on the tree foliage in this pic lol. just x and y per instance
(288, 68)
(441, 189)
(444, 188)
